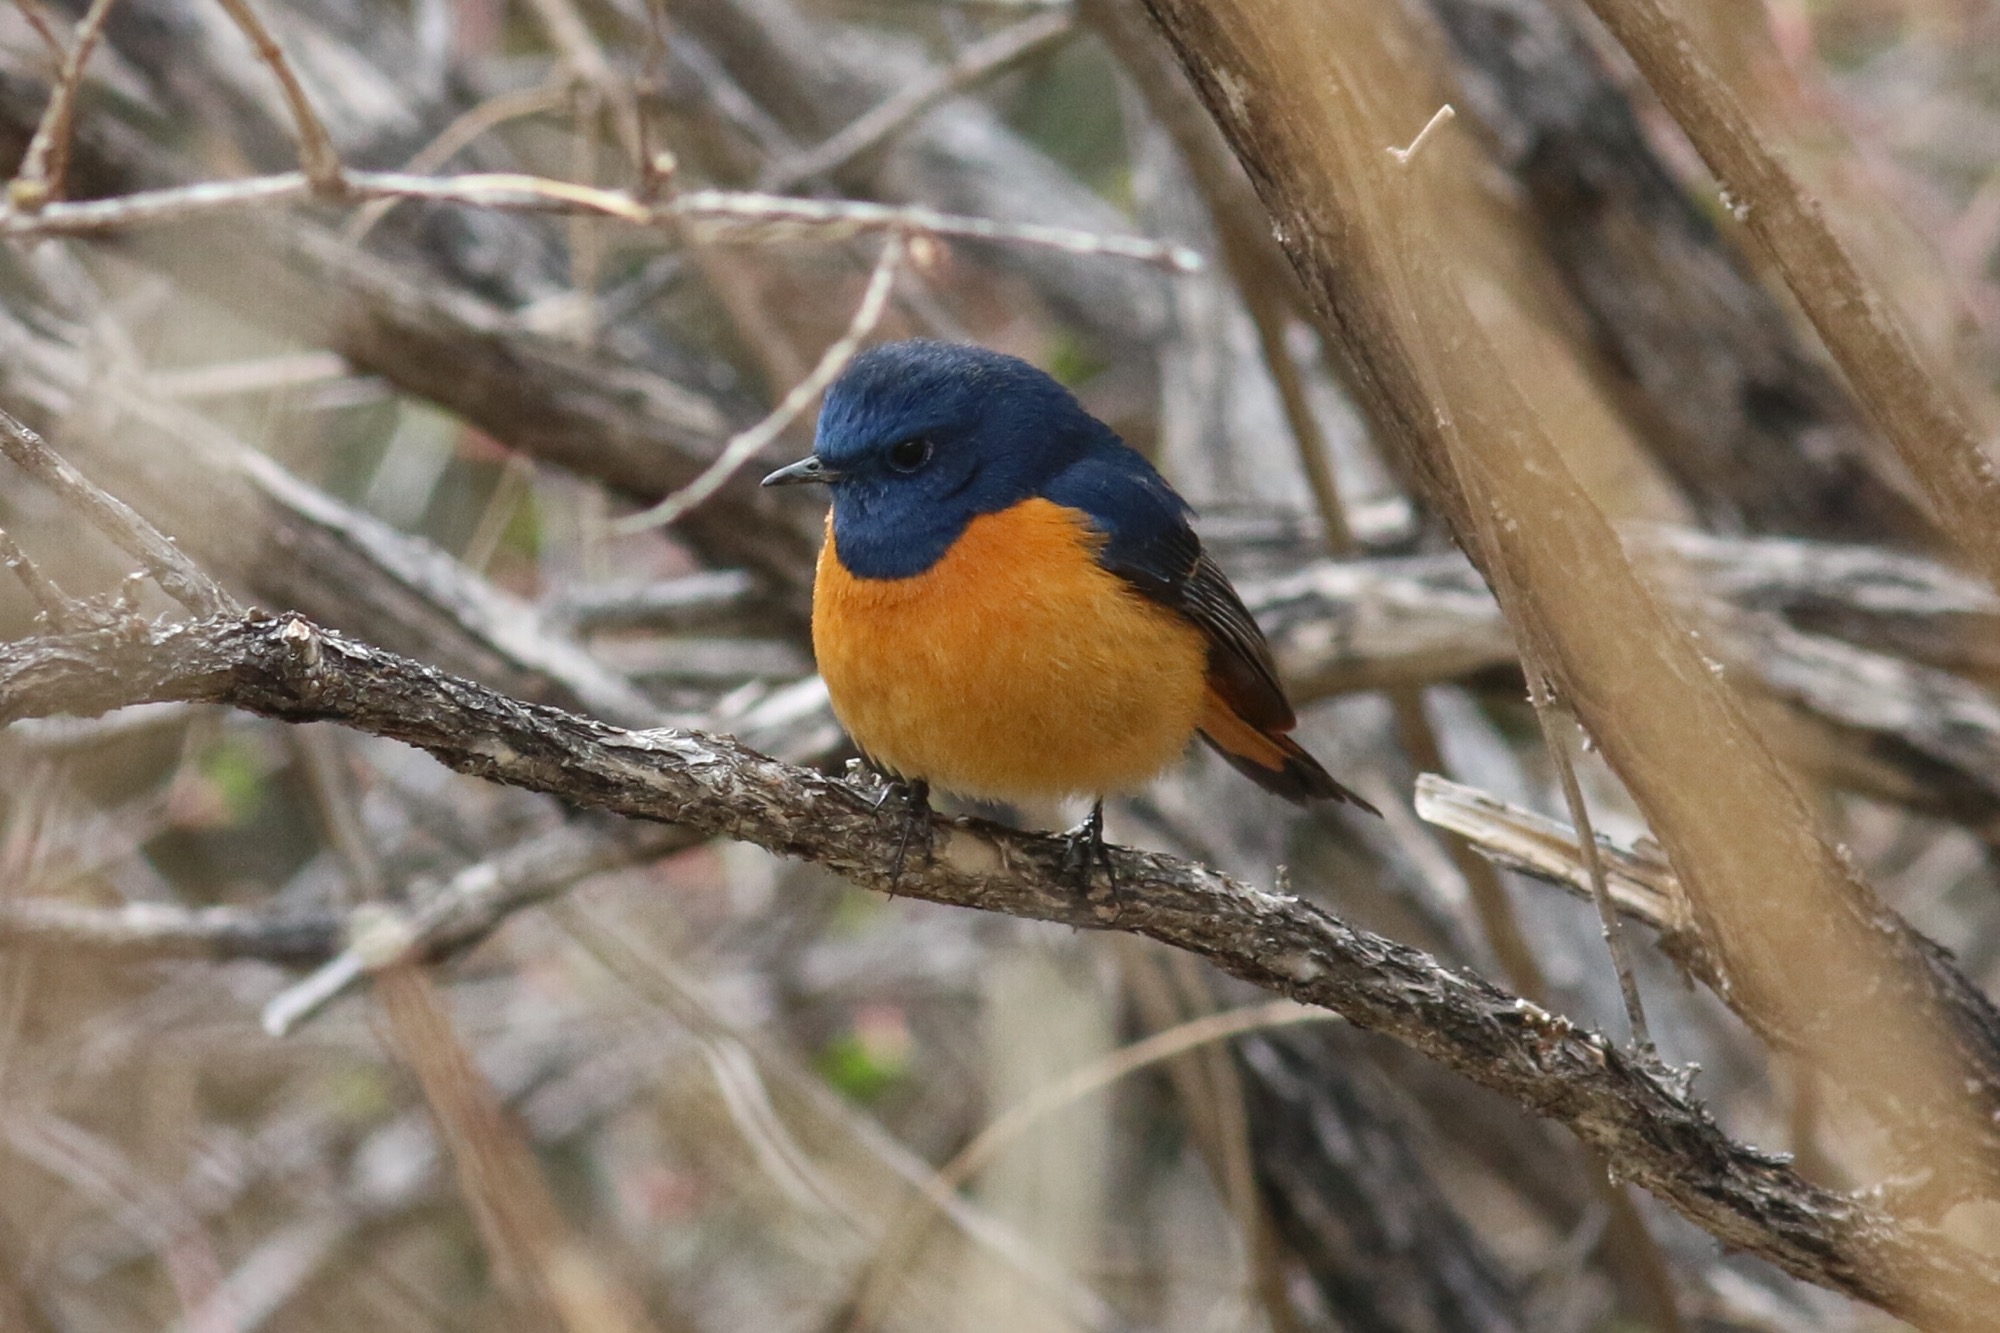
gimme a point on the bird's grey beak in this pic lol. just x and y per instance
(805, 470)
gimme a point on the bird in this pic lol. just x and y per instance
(1011, 604)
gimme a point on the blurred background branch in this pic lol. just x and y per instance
(386, 315)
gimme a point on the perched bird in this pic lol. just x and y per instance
(1011, 604)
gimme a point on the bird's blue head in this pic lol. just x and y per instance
(916, 439)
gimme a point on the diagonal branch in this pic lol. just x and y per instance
(1635, 1113)
(179, 577)
(875, 127)
(1919, 413)
(316, 150)
(43, 166)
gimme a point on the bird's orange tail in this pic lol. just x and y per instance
(1271, 759)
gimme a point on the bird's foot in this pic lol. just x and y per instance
(916, 798)
(1084, 852)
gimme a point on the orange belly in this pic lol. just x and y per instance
(1016, 668)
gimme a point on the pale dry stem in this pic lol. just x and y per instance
(316, 151)
(43, 166)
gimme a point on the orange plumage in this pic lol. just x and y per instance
(1016, 668)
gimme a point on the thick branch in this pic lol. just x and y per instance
(1918, 413)
(1748, 420)
(1794, 929)
(1636, 1115)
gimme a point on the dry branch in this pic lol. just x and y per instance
(1751, 423)
(1636, 1115)
(1795, 931)
(180, 577)
(1914, 409)
(868, 132)
(44, 164)
(285, 542)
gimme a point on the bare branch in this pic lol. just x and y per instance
(722, 215)
(715, 215)
(1633, 1112)
(1639, 880)
(160, 930)
(40, 178)
(870, 131)
(316, 151)
(1919, 413)
(177, 575)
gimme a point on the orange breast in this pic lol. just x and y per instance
(1016, 668)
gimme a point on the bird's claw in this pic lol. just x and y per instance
(1084, 852)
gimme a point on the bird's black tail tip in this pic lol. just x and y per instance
(1297, 776)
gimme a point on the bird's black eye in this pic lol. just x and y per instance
(909, 455)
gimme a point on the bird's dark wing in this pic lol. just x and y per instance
(1150, 544)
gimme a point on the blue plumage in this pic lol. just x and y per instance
(996, 431)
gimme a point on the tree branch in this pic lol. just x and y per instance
(1637, 1115)
(1917, 412)
(1796, 930)
(177, 575)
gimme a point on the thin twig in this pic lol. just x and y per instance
(453, 139)
(717, 215)
(52, 601)
(747, 444)
(870, 130)
(1550, 716)
(497, 190)
(179, 577)
(735, 217)
(46, 161)
(44, 23)
(316, 151)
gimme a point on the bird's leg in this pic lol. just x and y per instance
(1083, 850)
(916, 794)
